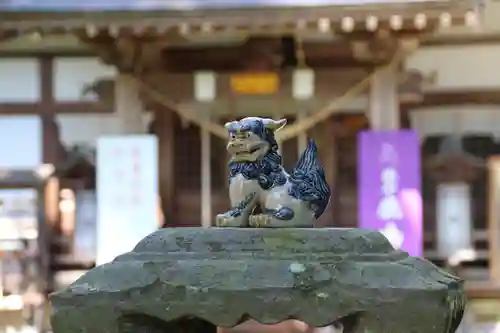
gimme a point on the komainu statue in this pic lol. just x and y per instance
(257, 178)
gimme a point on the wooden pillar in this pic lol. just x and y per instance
(303, 90)
(302, 138)
(383, 109)
(327, 149)
(277, 114)
(163, 126)
(330, 135)
(129, 105)
(53, 153)
(50, 130)
(404, 119)
(53, 150)
(494, 219)
(206, 181)
(205, 94)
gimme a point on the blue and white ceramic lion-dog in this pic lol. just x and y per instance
(257, 178)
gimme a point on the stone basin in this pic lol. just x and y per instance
(224, 276)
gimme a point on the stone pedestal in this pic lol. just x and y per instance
(349, 277)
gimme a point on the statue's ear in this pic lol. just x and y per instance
(279, 124)
(275, 125)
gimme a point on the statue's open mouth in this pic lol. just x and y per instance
(247, 155)
(247, 152)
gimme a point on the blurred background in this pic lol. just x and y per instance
(111, 121)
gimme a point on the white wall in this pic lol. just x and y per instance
(19, 80)
(490, 15)
(20, 135)
(21, 142)
(466, 119)
(85, 129)
(459, 67)
(20, 83)
(71, 75)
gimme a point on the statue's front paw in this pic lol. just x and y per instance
(228, 221)
(221, 221)
(259, 221)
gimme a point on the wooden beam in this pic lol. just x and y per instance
(20, 179)
(465, 39)
(81, 107)
(224, 65)
(336, 53)
(224, 59)
(490, 96)
(482, 290)
(37, 53)
(486, 96)
(77, 107)
(19, 108)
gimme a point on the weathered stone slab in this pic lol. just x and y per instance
(224, 275)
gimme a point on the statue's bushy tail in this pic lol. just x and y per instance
(309, 181)
(309, 158)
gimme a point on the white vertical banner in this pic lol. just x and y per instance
(454, 225)
(127, 193)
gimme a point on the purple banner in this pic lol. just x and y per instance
(389, 179)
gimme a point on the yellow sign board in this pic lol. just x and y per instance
(255, 83)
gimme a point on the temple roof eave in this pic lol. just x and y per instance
(453, 9)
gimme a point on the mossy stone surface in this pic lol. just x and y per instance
(224, 275)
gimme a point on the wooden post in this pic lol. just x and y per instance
(493, 218)
(206, 182)
(48, 197)
(129, 105)
(204, 94)
(303, 90)
(163, 126)
(277, 115)
(330, 162)
(383, 109)
(302, 138)
(51, 143)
